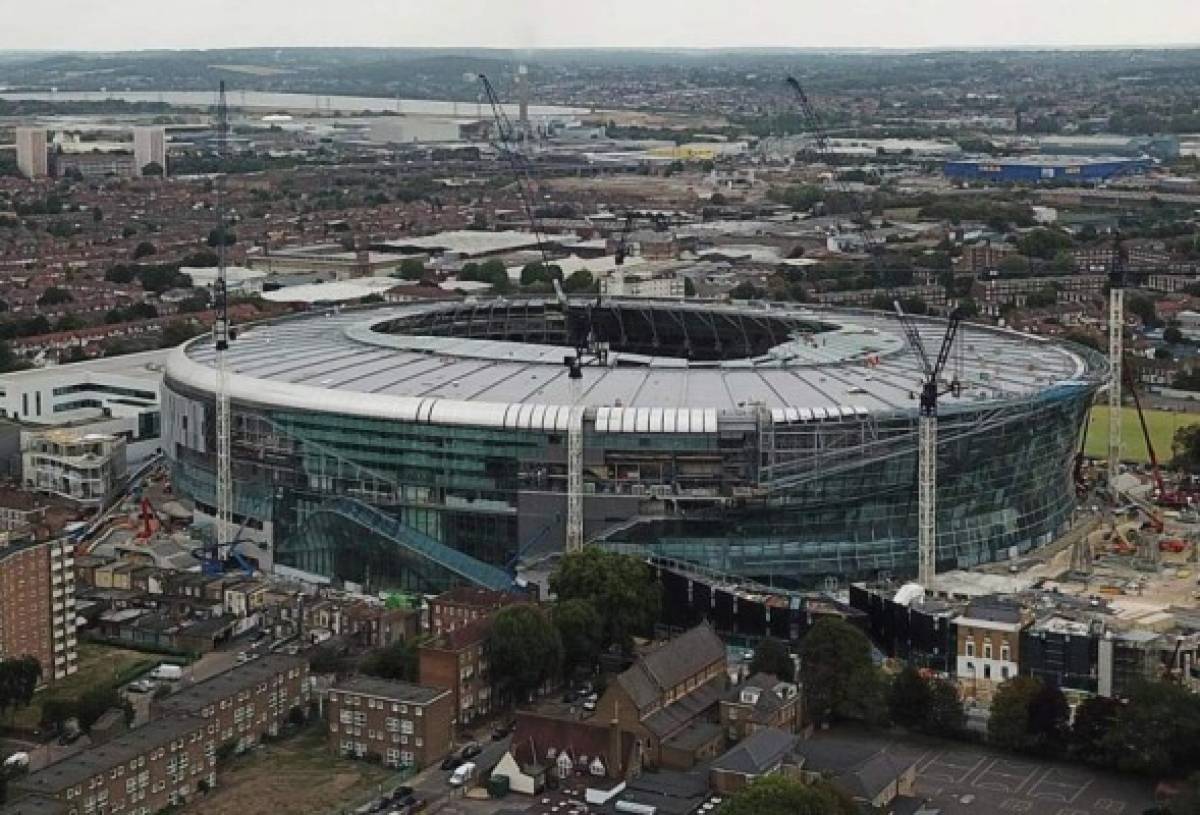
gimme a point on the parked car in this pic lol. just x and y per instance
(462, 775)
(470, 750)
(451, 762)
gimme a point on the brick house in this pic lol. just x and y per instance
(666, 697)
(401, 723)
(37, 606)
(989, 643)
(460, 606)
(762, 701)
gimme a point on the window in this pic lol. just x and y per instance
(970, 648)
(1004, 652)
(987, 650)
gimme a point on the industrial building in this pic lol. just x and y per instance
(1045, 169)
(423, 445)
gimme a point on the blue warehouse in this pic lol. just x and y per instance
(1045, 169)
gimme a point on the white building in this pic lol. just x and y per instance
(32, 159)
(238, 279)
(648, 284)
(149, 147)
(988, 643)
(115, 395)
(87, 468)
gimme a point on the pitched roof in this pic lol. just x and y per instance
(757, 753)
(657, 671)
(535, 735)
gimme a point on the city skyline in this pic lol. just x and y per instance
(532, 24)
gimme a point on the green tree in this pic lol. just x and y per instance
(1044, 243)
(179, 332)
(1185, 802)
(54, 296)
(1157, 731)
(411, 269)
(1029, 716)
(524, 649)
(1013, 265)
(840, 680)
(1144, 308)
(909, 698)
(780, 795)
(395, 661)
(97, 214)
(153, 170)
(622, 585)
(581, 630)
(330, 659)
(18, 680)
(579, 280)
(1173, 335)
(1095, 719)
(69, 322)
(746, 291)
(10, 361)
(1185, 446)
(946, 714)
(771, 656)
(968, 308)
(217, 233)
(144, 249)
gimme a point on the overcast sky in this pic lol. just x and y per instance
(135, 24)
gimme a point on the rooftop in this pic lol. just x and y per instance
(196, 697)
(388, 689)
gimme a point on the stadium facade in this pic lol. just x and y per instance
(423, 445)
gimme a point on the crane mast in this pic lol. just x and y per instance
(1116, 327)
(221, 336)
(927, 443)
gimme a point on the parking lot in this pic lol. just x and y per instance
(961, 779)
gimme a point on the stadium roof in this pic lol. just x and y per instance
(855, 364)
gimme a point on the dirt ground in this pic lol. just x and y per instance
(299, 776)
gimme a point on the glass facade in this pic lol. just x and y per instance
(421, 506)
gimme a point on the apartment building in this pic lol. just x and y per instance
(32, 156)
(457, 661)
(37, 606)
(460, 606)
(398, 723)
(86, 468)
(162, 764)
(246, 703)
(20, 510)
(149, 147)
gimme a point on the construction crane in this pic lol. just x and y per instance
(931, 372)
(1116, 326)
(931, 389)
(224, 531)
(520, 169)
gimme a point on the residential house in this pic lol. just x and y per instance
(457, 661)
(762, 701)
(764, 752)
(463, 605)
(543, 747)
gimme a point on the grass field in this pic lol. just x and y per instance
(98, 664)
(1162, 425)
(299, 776)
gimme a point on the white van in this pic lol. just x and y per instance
(463, 774)
(167, 671)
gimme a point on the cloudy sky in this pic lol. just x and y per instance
(133, 24)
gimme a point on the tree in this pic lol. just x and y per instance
(1157, 731)
(840, 680)
(579, 280)
(329, 659)
(179, 332)
(1173, 335)
(1185, 802)
(395, 661)
(946, 715)
(153, 170)
(54, 296)
(780, 795)
(144, 249)
(746, 291)
(524, 649)
(217, 233)
(8, 360)
(622, 585)
(18, 680)
(1029, 716)
(1044, 243)
(412, 269)
(909, 698)
(1144, 308)
(771, 656)
(1095, 718)
(97, 214)
(581, 630)
(1185, 446)
(1013, 265)
(69, 322)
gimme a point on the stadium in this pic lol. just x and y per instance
(423, 445)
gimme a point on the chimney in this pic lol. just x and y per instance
(615, 768)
